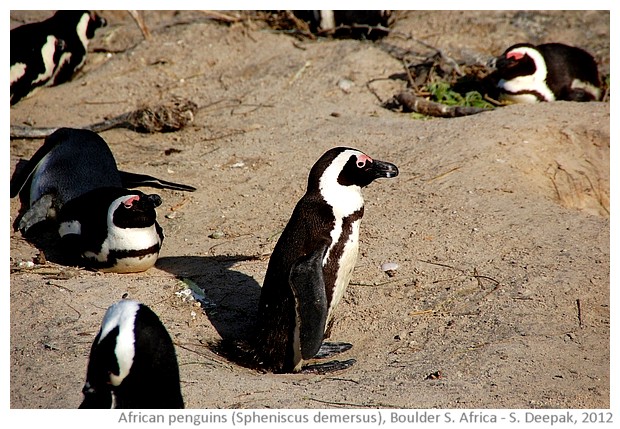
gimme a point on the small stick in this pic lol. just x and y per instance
(137, 17)
(579, 313)
(420, 105)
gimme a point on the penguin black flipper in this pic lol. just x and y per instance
(308, 286)
(135, 180)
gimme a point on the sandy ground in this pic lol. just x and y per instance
(499, 221)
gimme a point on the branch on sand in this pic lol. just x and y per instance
(412, 103)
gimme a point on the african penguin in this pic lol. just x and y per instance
(548, 72)
(111, 230)
(34, 61)
(70, 163)
(313, 260)
(132, 362)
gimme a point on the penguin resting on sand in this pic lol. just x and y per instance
(70, 163)
(313, 261)
(73, 182)
(132, 362)
(547, 72)
(111, 229)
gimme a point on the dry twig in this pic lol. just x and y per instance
(420, 105)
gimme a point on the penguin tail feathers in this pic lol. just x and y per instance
(135, 180)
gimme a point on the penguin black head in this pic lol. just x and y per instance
(519, 60)
(343, 170)
(349, 167)
(134, 211)
(132, 362)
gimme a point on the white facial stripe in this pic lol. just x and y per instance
(345, 200)
(47, 53)
(17, 71)
(70, 227)
(532, 82)
(123, 315)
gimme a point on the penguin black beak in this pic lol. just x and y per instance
(383, 169)
(503, 63)
(154, 199)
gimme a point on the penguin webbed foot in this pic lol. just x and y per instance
(329, 349)
(327, 367)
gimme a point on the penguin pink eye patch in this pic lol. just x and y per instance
(129, 201)
(515, 55)
(362, 160)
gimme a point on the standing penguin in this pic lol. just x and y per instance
(132, 362)
(313, 260)
(32, 50)
(70, 163)
(548, 72)
(111, 230)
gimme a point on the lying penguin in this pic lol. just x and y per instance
(111, 229)
(548, 72)
(313, 261)
(50, 52)
(132, 362)
(73, 182)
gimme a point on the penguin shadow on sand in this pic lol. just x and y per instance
(229, 299)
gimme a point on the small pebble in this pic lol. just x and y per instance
(26, 264)
(389, 268)
(217, 234)
(345, 85)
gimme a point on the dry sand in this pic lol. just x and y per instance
(499, 222)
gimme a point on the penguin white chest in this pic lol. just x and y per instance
(346, 264)
(126, 244)
(524, 89)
